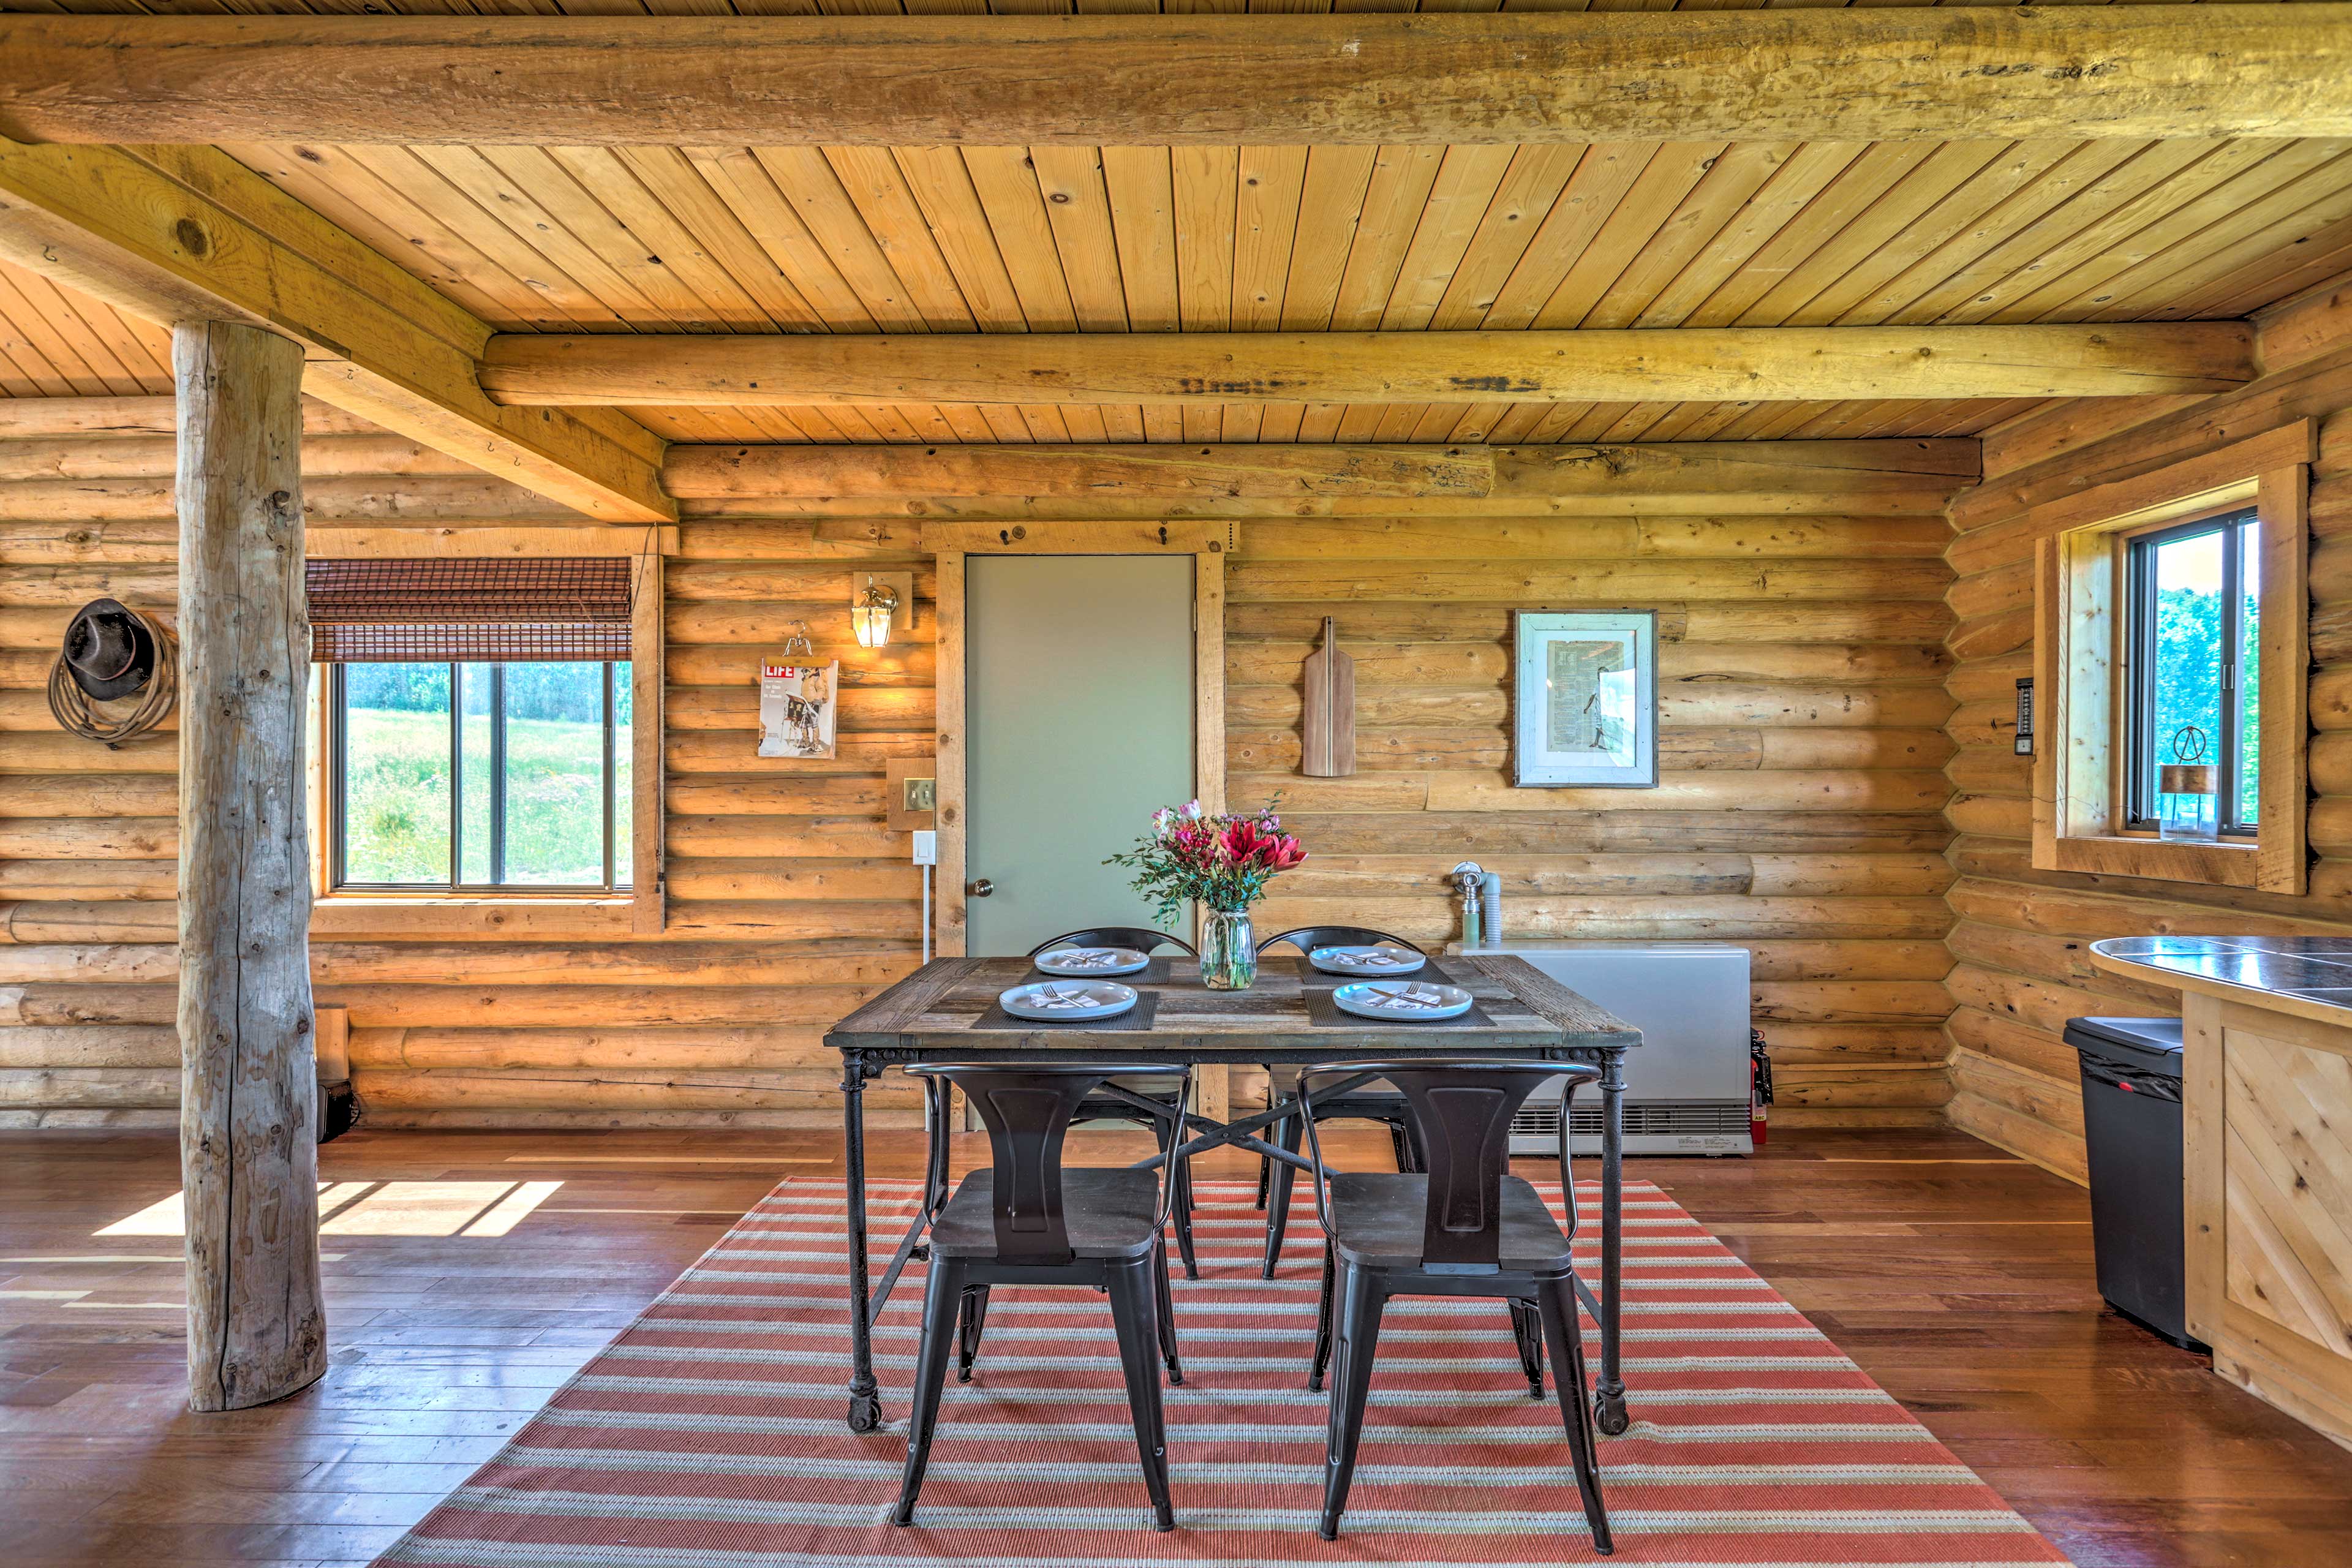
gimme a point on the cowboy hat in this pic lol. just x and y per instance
(108, 650)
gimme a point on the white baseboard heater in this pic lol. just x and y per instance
(1687, 1084)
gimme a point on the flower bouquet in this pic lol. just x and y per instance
(1223, 863)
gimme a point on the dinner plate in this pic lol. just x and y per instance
(1091, 961)
(1068, 1001)
(1401, 999)
(1381, 959)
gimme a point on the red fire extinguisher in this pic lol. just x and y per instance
(1760, 1086)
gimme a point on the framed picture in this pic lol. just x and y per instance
(1584, 699)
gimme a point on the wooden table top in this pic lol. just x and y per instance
(937, 1006)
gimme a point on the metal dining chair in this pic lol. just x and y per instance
(1113, 1102)
(1027, 1219)
(1374, 1103)
(1465, 1227)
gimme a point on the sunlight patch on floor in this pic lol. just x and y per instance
(384, 1208)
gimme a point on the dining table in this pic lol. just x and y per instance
(947, 1011)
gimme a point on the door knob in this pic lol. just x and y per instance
(981, 889)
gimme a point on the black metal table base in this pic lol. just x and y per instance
(868, 1300)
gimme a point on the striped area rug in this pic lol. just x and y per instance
(710, 1434)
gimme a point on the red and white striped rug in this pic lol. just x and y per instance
(710, 1434)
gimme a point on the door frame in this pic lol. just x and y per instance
(1210, 543)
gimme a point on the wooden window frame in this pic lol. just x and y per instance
(639, 911)
(2079, 594)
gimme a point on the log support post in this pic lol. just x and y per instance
(249, 1153)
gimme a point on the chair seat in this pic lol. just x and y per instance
(1376, 1218)
(1108, 1212)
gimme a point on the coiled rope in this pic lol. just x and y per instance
(79, 713)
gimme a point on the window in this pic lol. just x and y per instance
(485, 731)
(2169, 610)
(2192, 664)
(475, 777)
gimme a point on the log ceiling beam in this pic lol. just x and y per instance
(1991, 73)
(181, 233)
(1753, 476)
(1703, 365)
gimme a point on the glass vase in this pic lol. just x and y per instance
(1228, 950)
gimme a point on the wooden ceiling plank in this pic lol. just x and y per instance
(808, 184)
(2219, 252)
(2298, 171)
(2270, 280)
(1922, 191)
(1783, 199)
(1656, 194)
(1466, 187)
(1394, 199)
(2037, 242)
(1862, 74)
(1533, 184)
(356, 201)
(942, 188)
(1881, 168)
(490, 188)
(876, 186)
(2218, 165)
(670, 262)
(1949, 249)
(671, 179)
(1077, 210)
(1140, 183)
(40, 354)
(1730, 182)
(1273, 182)
(740, 182)
(1970, 201)
(1330, 207)
(1207, 191)
(405, 192)
(1604, 177)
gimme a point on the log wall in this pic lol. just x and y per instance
(1804, 728)
(2020, 937)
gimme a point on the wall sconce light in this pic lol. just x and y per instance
(872, 612)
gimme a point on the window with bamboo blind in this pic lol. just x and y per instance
(487, 733)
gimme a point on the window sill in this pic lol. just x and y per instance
(347, 915)
(2221, 865)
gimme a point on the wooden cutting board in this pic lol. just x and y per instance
(1329, 751)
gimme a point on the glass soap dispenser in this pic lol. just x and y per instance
(2187, 792)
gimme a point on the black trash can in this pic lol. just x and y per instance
(2131, 1130)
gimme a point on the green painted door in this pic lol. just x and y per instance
(1078, 694)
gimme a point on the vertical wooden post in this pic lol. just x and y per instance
(249, 1154)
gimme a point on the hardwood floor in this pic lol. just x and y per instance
(460, 1296)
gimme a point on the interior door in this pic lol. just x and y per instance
(1079, 706)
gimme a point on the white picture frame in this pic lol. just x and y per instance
(1584, 699)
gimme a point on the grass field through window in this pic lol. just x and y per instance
(396, 797)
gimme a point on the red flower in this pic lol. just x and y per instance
(1247, 842)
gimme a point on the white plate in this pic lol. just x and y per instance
(1091, 961)
(1068, 1001)
(1387, 999)
(1366, 960)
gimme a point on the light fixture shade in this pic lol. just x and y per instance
(870, 616)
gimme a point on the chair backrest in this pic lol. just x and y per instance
(1461, 1109)
(1143, 939)
(1026, 1108)
(1307, 939)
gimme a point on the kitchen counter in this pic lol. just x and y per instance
(2266, 1102)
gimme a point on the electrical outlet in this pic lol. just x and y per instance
(927, 847)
